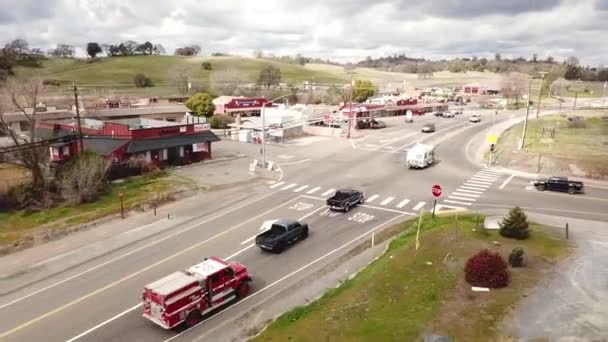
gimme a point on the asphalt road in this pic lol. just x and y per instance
(101, 300)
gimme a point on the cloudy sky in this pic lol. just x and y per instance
(344, 30)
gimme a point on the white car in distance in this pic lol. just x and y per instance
(475, 118)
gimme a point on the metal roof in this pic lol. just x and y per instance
(171, 283)
(208, 267)
(167, 142)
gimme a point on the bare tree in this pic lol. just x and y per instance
(63, 50)
(425, 70)
(227, 81)
(180, 77)
(514, 86)
(24, 95)
(81, 178)
(338, 94)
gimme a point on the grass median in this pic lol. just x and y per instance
(18, 225)
(407, 293)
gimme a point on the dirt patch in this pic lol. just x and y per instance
(559, 145)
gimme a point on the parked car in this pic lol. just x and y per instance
(457, 111)
(428, 128)
(448, 114)
(282, 234)
(475, 118)
(559, 184)
(438, 114)
(345, 199)
(373, 124)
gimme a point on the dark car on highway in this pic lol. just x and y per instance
(428, 128)
(281, 235)
(345, 199)
(562, 184)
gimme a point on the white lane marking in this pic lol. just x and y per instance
(474, 187)
(419, 205)
(312, 191)
(144, 269)
(403, 203)
(490, 173)
(248, 240)
(295, 163)
(448, 206)
(352, 142)
(506, 182)
(371, 199)
(462, 198)
(463, 189)
(477, 183)
(289, 186)
(142, 248)
(483, 179)
(464, 194)
(328, 192)
(370, 145)
(456, 202)
(387, 201)
(105, 322)
(139, 305)
(271, 182)
(284, 278)
(277, 185)
(239, 252)
(301, 188)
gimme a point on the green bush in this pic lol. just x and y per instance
(515, 226)
(142, 81)
(206, 66)
(516, 258)
(220, 121)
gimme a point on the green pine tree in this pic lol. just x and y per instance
(515, 226)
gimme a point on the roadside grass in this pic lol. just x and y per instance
(407, 293)
(12, 175)
(585, 147)
(17, 225)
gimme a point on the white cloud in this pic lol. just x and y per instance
(336, 29)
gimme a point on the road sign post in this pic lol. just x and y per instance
(436, 190)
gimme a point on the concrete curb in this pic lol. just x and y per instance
(451, 212)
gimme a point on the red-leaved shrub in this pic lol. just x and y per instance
(487, 269)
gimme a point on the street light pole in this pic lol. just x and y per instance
(263, 114)
(523, 135)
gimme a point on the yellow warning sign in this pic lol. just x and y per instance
(492, 139)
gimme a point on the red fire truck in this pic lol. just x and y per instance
(186, 296)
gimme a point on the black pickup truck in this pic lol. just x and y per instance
(345, 199)
(282, 233)
(559, 184)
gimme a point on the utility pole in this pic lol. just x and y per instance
(540, 92)
(81, 148)
(523, 135)
(263, 136)
(350, 101)
(575, 97)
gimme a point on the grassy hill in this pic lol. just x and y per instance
(114, 76)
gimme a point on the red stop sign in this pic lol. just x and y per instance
(436, 190)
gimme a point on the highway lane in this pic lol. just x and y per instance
(327, 232)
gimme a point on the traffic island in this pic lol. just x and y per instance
(411, 292)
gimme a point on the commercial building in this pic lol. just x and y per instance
(158, 142)
(238, 105)
(480, 89)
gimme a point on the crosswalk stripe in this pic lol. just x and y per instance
(464, 189)
(387, 201)
(479, 184)
(328, 192)
(419, 205)
(403, 203)
(480, 180)
(371, 199)
(456, 202)
(462, 198)
(289, 186)
(464, 194)
(490, 179)
(277, 185)
(301, 188)
(312, 191)
(473, 187)
(491, 172)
